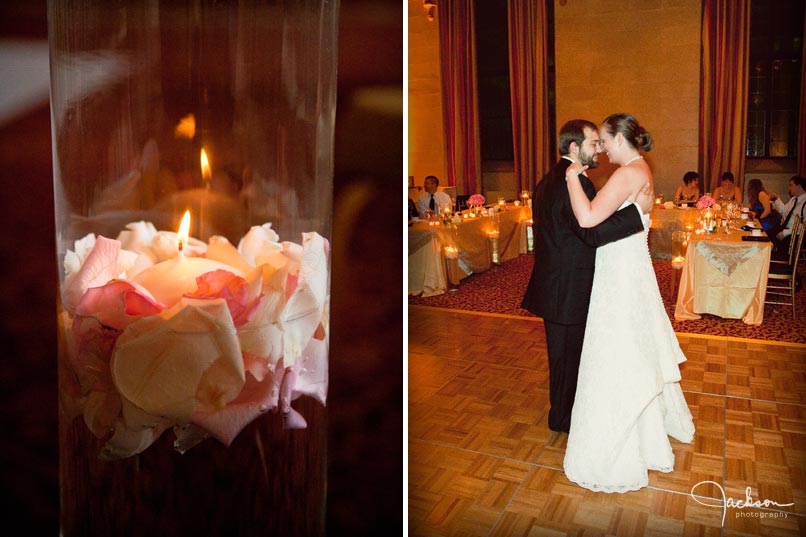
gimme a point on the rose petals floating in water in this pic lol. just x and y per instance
(249, 337)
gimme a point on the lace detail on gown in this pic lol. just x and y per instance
(628, 398)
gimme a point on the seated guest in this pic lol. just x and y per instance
(432, 199)
(690, 191)
(761, 208)
(795, 206)
(727, 192)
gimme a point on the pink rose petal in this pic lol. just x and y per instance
(118, 303)
(255, 399)
(236, 291)
(291, 285)
(92, 345)
(258, 366)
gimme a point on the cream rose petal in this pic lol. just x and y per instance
(313, 372)
(133, 432)
(125, 442)
(137, 419)
(187, 358)
(262, 337)
(220, 249)
(137, 236)
(100, 266)
(259, 241)
(188, 436)
(74, 259)
(100, 411)
(303, 311)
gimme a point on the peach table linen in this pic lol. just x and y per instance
(426, 262)
(663, 223)
(731, 294)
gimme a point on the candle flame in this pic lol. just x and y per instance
(205, 166)
(184, 230)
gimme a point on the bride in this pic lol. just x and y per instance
(628, 395)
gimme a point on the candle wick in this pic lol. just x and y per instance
(181, 247)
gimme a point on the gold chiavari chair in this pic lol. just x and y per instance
(781, 287)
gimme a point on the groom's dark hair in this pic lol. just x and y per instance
(573, 131)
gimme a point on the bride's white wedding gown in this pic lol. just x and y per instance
(628, 395)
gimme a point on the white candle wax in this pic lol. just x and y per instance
(169, 280)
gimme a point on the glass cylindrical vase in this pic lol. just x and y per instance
(192, 145)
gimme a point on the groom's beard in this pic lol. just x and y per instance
(588, 159)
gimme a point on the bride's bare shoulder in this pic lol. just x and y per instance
(638, 175)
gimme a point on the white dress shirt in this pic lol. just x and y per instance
(440, 200)
(800, 209)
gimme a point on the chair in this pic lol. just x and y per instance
(782, 286)
(789, 257)
(461, 202)
(802, 257)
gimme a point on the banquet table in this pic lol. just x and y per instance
(471, 238)
(724, 276)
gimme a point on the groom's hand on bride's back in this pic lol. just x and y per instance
(645, 199)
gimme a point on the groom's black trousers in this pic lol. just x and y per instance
(564, 343)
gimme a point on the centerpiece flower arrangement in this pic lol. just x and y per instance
(705, 202)
(243, 331)
(475, 201)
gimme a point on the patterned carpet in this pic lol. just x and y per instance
(500, 291)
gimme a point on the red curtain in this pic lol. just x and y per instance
(528, 73)
(723, 90)
(457, 45)
(802, 123)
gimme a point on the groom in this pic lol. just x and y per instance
(560, 287)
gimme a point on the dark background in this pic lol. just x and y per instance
(365, 442)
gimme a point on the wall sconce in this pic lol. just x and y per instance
(430, 7)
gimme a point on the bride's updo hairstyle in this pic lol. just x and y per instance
(628, 126)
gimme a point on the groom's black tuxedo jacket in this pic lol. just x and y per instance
(560, 287)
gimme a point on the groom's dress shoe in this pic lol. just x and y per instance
(560, 428)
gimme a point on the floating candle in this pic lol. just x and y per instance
(169, 280)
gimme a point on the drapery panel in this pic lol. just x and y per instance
(802, 122)
(723, 90)
(457, 45)
(528, 74)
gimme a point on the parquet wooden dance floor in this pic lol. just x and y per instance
(482, 460)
